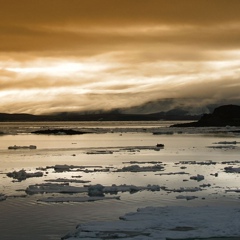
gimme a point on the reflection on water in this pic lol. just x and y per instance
(26, 218)
(27, 127)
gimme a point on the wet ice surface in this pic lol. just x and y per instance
(165, 223)
(124, 172)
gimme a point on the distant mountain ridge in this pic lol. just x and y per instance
(175, 114)
(227, 115)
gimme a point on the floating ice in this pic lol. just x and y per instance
(100, 152)
(54, 188)
(205, 185)
(23, 175)
(136, 168)
(130, 188)
(67, 168)
(184, 189)
(226, 142)
(2, 197)
(66, 180)
(172, 173)
(231, 162)
(161, 223)
(76, 199)
(197, 178)
(223, 147)
(209, 162)
(186, 197)
(233, 190)
(232, 170)
(96, 190)
(99, 190)
(15, 147)
(136, 148)
(148, 162)
(93, 190)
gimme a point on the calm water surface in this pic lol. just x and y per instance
(26, 218)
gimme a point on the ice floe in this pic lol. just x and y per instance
(227, 142)
(130, 188)
(233, 190)
(161, 223)
(64, 180)
(209, 162)
(223, 147)
(100, 152)
(54, 188)
(92, 190)
(131, 148)
(232, 169)
(231, 162)
(100, 190)
(15, 147)
(67, 168)
(172, 173)
(23, 175)
(2, 197)
(138, 162)
(198, 177)
(186, 197)
(137, 168)
(184, 189)
(75, 199)
(205, 185)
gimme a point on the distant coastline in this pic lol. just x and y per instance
(227, 115)
(105, 116)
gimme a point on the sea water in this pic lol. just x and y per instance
(26, 218)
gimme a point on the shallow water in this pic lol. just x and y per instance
(26, 218)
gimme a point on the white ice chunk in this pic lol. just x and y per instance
(161, 223)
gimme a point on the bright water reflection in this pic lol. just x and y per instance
(26, 218)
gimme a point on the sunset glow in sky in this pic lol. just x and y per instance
(154, 55)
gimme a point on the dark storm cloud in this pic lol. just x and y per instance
(185, 50)
(28, 25)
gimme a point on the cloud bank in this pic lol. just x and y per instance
(86, 55)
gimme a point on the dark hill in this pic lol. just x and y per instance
(227, 115)
(174, 114)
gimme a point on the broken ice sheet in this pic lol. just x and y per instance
(165, 223)
(92, 190)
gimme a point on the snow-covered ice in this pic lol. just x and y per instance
(163, 223)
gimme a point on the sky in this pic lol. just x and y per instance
(135, 55)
